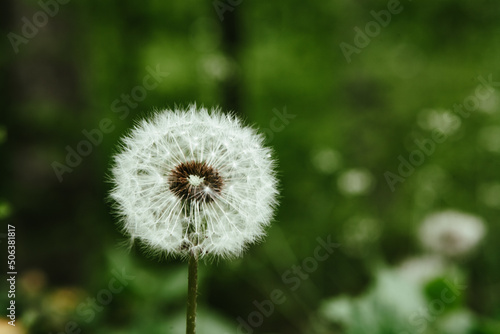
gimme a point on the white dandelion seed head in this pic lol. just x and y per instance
(451, 233)
(194, 181)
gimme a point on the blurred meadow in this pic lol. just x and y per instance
(384, 117)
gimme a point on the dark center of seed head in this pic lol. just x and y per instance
(195, 181)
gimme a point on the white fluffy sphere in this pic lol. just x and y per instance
(451, 233)
(194, 181)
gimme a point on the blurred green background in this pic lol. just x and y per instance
(69, 65)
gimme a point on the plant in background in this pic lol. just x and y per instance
(451, 233)
(194, 183)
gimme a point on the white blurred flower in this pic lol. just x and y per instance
(451, 233)
(441, 120)
(338, 309)
(216, 67)
(459, 321)
(356, 181)
(396, 294)
(326, 160)
(194, 181)
(388, 303)
(422, 269)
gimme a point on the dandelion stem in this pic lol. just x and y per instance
(192, 291)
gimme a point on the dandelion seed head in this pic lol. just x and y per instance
(194, 180)
(451, 233)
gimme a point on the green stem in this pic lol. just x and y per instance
(192, 290)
